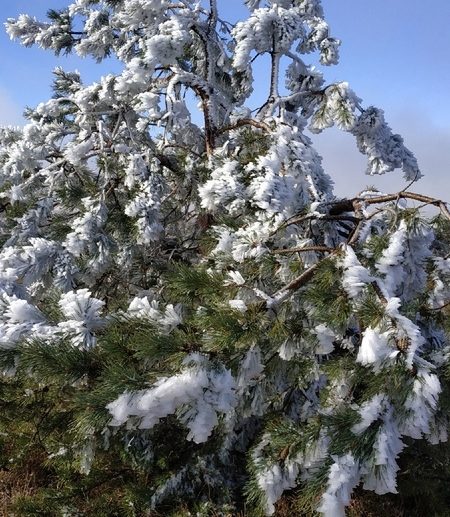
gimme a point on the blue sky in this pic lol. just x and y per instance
(395, 55)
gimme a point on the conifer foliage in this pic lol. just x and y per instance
(189, 316)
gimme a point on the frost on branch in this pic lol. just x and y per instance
(83, 317)
(344, 476)
(167, 320)
(199, 394)
(355, 276)
(384, 150)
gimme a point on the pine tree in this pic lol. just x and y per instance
(191, 321)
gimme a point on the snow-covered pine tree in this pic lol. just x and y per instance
(190, 318)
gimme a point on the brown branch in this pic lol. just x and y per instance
(202, 92)
(338, 208)
(282, 294)
(341, 206)
(167, 163)
(348, 205)
(304, 249)
(243, 122)
(379, 292)
(304, 278)
(399, 195)
(440, 307)
(316, 217)
(184, 147)
(209, 130)
(444, 210)
(354, 235)
(326, 217)
(407, 195)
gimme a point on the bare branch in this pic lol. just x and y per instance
(316, 217)
(244, 122)
(441, 307)
(379, 292)
(348, 205)
(353, 237)
(285, 292)
(303, 250)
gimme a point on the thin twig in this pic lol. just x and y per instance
(303, 250)
(440, 307)
(354, 235)
(315, 217)
(244, 122)
(282, 294)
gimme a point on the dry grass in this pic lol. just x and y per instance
(21, 482)
(368, 504)
(15, 484)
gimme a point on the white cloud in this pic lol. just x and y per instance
(426, 139)
(10, 112)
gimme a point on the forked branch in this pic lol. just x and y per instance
(339, 211)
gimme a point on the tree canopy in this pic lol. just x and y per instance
(190, 317)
